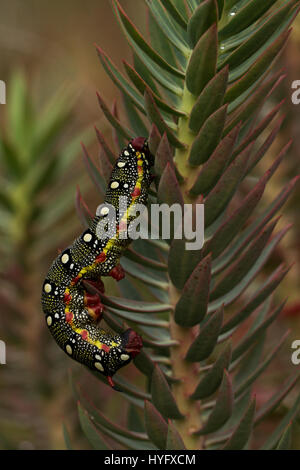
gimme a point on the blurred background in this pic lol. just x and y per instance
(52, 72)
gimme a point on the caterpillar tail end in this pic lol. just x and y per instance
(132, 342)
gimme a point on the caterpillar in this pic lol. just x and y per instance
(72, 312)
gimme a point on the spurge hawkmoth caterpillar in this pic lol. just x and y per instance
(72, 313)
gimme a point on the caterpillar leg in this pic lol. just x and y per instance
(92, 301)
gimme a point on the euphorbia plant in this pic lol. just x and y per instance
(198, 88)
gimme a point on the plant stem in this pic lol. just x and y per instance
(187, 373)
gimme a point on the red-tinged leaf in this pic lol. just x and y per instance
(163, 156)
(134, 305)
(236, 271)
(155, 117)
(174, 440)
(136, 39)
(204, 16)
(138, 258)
(260, 37)
(126, 133)
(256, 300)
(208, 137)
(212, 170)
(245, 384)
(168, 190)
(257, 131)
(233, 224)
(94, 437)
(144, 363)
(105, 166)
(206, 341)
(119, 80)
(175, 13)
(266, 145)
(253, 229)
(141, 85)
(156, 426)
(213, 378)
(84, 213)
(202, 65)
(242, 432)
(98, 179)
(276, 435)
(259, 67)
(285, 442)
(277, 398)
(103, 144)
(154, 139)
(162, 396)
(209, 100)
(222, 409)
(220, 196)
(250, 338)
(135, 120)
(192, 305)
(245, 17)
(249, 107)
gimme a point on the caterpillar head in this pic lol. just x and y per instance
(140, 144)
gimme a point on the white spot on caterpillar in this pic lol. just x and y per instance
(69, 349)
(126, 153)
(47, 288)
(65, 258)
(125, 186)
(122, 164)
(104, 211)
(114, 185)
(124, 357)
(71, 266)
(87, 237)
(98, 357)
(99, 366)
(49, 321)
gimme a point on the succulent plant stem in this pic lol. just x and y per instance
(188, 375)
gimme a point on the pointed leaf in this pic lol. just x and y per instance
(156, 118)
(213, 378)
(206, 341)
(192, 305)
(242, 433)
(113, 120)
(208, 137)
(103, 144)
(209, 100)
(154, 139)
(92, 434)
(168, 190)
(205, 15)
(222, 193)
(174, 440)
(286, 439)
(175, 13)
(203, 61)
(181, 262)
(212, 170)
(162, 396)
(156, 426)
(222, 409)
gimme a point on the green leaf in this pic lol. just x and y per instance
(286, 439)
(222, 409)
(136, 39)
(192, 305)
(251, 12)
(113, 120)
(242, 433)
(103, 144)
(67, 438)
(162, 396)
(156, 426)
(175, 13)
(90, 431)
(239, 269)
(210, 99)
(222, 193)
(169, 190)
(174, 441)
(276, 435)
(202, 65)
(208, 137)
(213, 378)
(206, 341)
(155, 117)
(205, 15)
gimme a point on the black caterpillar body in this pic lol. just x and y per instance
(72, 313)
